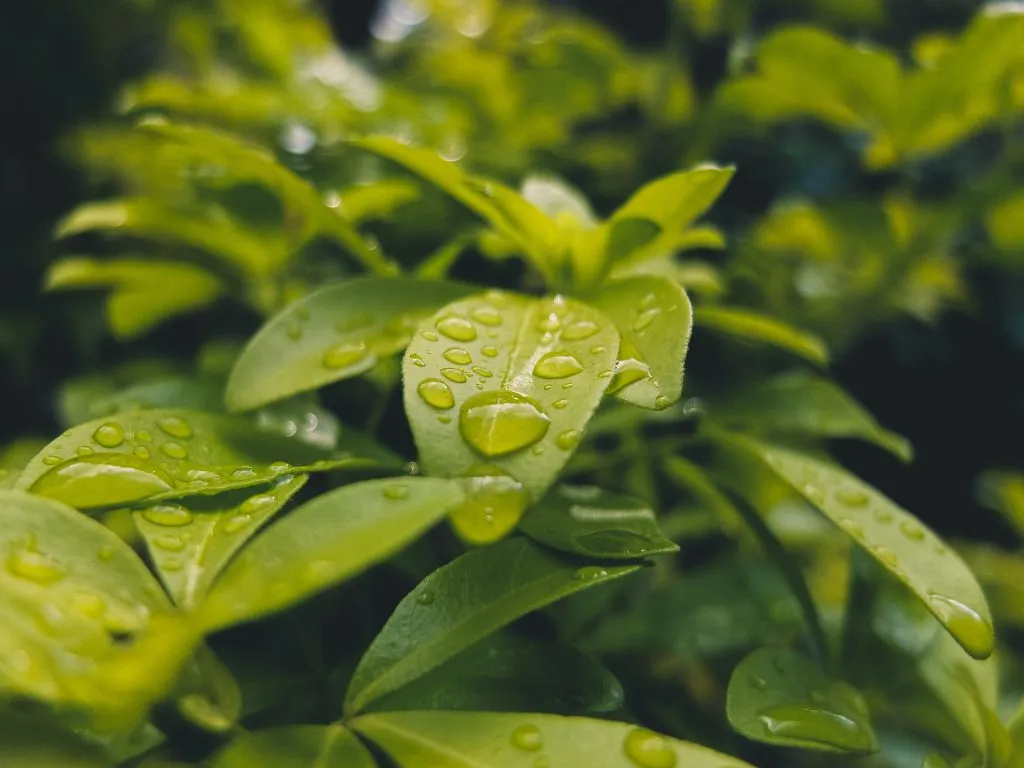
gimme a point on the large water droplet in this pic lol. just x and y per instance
(110, 435)
(174, 426)
(628, 371)
(486, 316)
(436, 394)
(582, 329)
(454, 374)
(972, 630)
(557, 365)
(805, 723)
(494, 504)
(649, 750)
(457, 328)
(345, 355)
(527, 737)
(172, 515)
(458, 356)
(501, 422)
(28, 564)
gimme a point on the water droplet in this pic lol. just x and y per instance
(142, 452)
(174, 450)
(417, 360)
(583, 329)
(106, 553)
(972, 630)
(457, 328)
(236, 523)
(425, 598)
(590, 573)
(490, 351)
(84, 450)
(815, 725)
(557, 365)
(648, 301)
(279, 466)
(501, 422)
(454, 374)
(494, 504)
(567, 440)
(429, 335)
(661, 402)
(649, 750)
(482, 372)
(645, 318)
(527, 737)
(243, 473)
(883, 516)
(813, 493)
(597, 350)
(853, 497)
(758, 682)
(34, 566)
(436, 394)
(486, 316)
(171, 564)
(172, 515)
(560, 404)
(256, 504)
(52, 461)
(445, 419)
(293, 330)
(170, 543)
(89, 605)
(345, 355)
(395, 492)
(457, 356)
(628, 371)
(886, 556)
(174, 426)
(110, 435)
(852, 527)
(912, 530)
(144, 436)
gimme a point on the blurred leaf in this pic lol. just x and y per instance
(207, 694)
(1005, 222)
(296, 746)
(40, 742)
(750, 326)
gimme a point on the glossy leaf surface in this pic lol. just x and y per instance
(296, 746)
(749, 326)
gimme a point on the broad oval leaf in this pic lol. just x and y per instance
(463, 602)
(588, 521)
(166, 454)
(493, 740)
(897, 540)
(750, 326)
(510, 673)
(780, 697)
(509, 381)
(189, 547)
(296, 746)
(654, 318)
(325, 541)
(334, 333)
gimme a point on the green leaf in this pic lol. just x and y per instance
(750, 326)
(190, 547)
(588, 521)
(207, 694)
(558, 199)
(296, 746)
(509, 673)
(897, 540)
(144, 292)
(654, 319)
(461, 603)
(802, 403)
(507, 381)
(492, 740)
(780, 697)
(1004, 223)
(334, 333)
(378, 200)
(167, 454)
(325, 541)
(41, 742)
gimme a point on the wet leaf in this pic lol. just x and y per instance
(654, 319)
(167, 454)
(493, 740)
(588, 521)
(750, 326)
(508, 673)
(503, 380)
(460, 604)
(325, 541)
(189, 547)
(780, 697)
(296, 746)
(334, 333)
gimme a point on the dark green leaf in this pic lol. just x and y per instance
(207, 694)
(41, 742)
(297, 746)
(750, 326)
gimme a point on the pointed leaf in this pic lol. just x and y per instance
(750, 326)
(296, 746)
(509, 381)
(325, 541)
(463, 602)
(190, 547)
(492, 740)
(334, 333)
(780, 697)
(897, 540)
(167, 454)
(654, 319)
(588, 521)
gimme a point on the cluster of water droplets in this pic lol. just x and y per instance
(644, 748)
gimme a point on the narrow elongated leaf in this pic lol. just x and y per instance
(892, 536)
(326, 541)
(190, 547)
(492, 740)
(654, 319)
(334, 333)
(463, 602)
(508, 381)
(803, 403)
(167, 454)
(588, 521)
(780, 697)
(296, 746)
(508, 673)
(750, 326)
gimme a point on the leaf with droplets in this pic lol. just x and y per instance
(750, 326)
(780, 697)
(654, 319)
(167, 454)
(897, 540)
(799, 403)
(507, 740)
(296, 746)
(190, 547)
(509, 381)
(508, 673)
(588, 521)
(334, 333)
(325, 541)
(463, 602)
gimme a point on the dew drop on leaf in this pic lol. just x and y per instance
(883, 516)
(236, 523)
(242, 473)
(485, 373)
(89, 605)
(645, 318)
(170, 543)
(597, 350)
(174, 450)
(106, 553)
(52, 461)
(590, 573)
(279, 466)
(912, 530)
(567, 440)
(425, 598)
(648, 750)
(486, 316)
(501, 422)
(143, 436)
(560, 404)
(417, 361)
(886, 556)
(174, 426)
(527, 737)
(969, 627)
(396, 492)
(429, 335)
(457, 356)
(490, 351)
(110, 435)
(852, 497)
(662, 402)
(171, 515)
(84, 450)
(345, 356)
(28, 564)
(582, 329)
(557, 365)
(852, 527)
(436, 394)
(142, 452)
(811, 724)
(454, 374)
(457, 328)
(256, 503)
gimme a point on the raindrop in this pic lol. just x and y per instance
(279, 466)
(417, 360)
(490, 351)
(486, 316)
(170, 543)
(853, 497)
(171, 564)
(412, 468)
(172, 515)
(106, 553)
(590, 573)
(243, 473)
(445, 419)
(886, 556)
(436, 394)
(174, 426)
(567, 440)
(457, 356)
(236, 523)
(495, 502)
(110, 435)
(883, 516)
(501, 422)
(396, 492)
(583, 329)
(258, 503)
(628, 371)
(174, 450)
(758, 682)
(972, 630)
(88, 604)
(912, 530)
(661, 402)
(34, 566)
(345, 355)
(457, 328)
(644, 319)
(482, 372)
(425, 598)
(429, 335)
(815, 725)
(52, 461)
(527, 737)
(142, 452)
(649, 750)
(597, 350)
(454, 374)
(560, 404)
(144, 436)
(84, 450)
(813, 493)
(557, 365)
(550, 324)
(852, 527)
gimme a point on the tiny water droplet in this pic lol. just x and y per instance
(444, 419)
(142, 452)
(257, 503)
(243, 473)
(170, 543)
(174, 450)
(597, 350)
(89, 605)
(649, 750)
(582, 329)
(567, 440)
(501, 422)
(648, 301)
(395, 492)
(457, 356)
(853, 497)
(486, 316)
(537, 450)
(34, 566)
(293, 331)
(172, 515)
(173, 426)
(345, 355)
(144, 436)
(560, 404)
(51, 461)
(590, 573)
(549, 324)
(557, 365)
(527, 737)
(661, 402)
(236, 523)
(417, 360)
(84, 450)
(886, 556)
(912, 530)
(758, 682)
(106, 553)
(457, 328)
(883, 516)
(645, 318)
(485, 373)
(279, 466)
(425, 598)
(436, 394)
(852, 527)
(429, 335)
(813, 493)
(454, 374)
(110, 435)
(490, 351)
